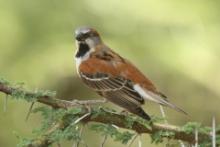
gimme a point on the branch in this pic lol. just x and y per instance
(45, 98)
(105, 117)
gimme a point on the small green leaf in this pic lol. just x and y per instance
(113, 132)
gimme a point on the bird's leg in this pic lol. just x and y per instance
(103, 101)
(89, 102)
(124, 112)
(87, 106)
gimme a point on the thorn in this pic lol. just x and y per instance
(29, 111)
(163, 114)
(81, 141)
(82, 117)
(5, 103)
(115, 127)
(166, 122)
(196, 138)
(132, 141)
(80, 134)
(139, 141)
(164, 117)
(181, 143)
(213, 132)
(104, 140)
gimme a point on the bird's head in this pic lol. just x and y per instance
(87, 35)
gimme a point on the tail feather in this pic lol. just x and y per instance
(140, 112)
(165, 102)
(158, 98)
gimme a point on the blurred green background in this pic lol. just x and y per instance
(176, 43)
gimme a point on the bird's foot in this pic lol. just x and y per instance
(124, 112)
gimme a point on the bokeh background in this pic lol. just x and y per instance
(176, 43)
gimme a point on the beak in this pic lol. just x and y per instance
(79, 37)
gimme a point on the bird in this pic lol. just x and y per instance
(114, 77)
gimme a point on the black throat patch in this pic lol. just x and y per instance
(83, 49)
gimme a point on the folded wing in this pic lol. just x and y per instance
(114, 88)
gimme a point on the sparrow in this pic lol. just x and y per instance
(114, 77)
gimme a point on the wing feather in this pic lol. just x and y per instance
(115, 88)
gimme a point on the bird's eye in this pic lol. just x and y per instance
(86, 35)
(92, 34)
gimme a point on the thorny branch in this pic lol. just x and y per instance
(105, 117)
